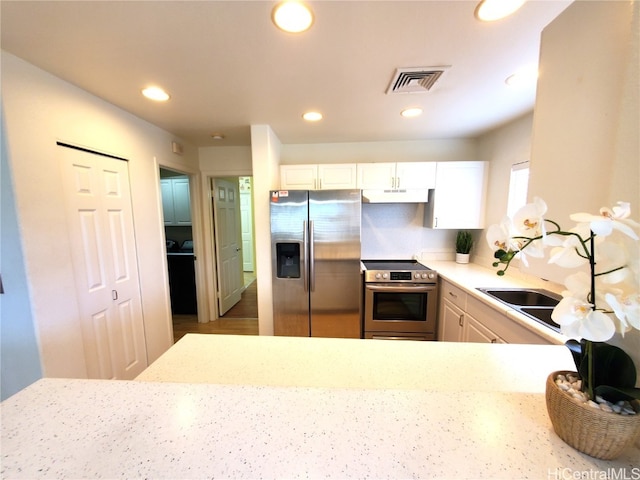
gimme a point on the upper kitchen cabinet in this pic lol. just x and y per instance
(396, 176)
(340, 176)
(176, 204)
(458, 199)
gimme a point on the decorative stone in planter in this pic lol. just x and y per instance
(590, 430)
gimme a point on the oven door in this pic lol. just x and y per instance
(400, 308)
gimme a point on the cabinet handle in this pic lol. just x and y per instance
(461, 320)
(393, 182)
(398, 182)
(114, 294)
(494, 340)
(453, 294)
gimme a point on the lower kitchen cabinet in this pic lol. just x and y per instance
(476, 332)
(464, 318)
(453, 302)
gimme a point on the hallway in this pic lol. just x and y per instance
(241, 319)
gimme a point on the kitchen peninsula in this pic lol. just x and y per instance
(278, 407)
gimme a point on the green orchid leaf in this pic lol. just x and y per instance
(616, 394)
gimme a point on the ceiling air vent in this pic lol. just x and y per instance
(415, 80)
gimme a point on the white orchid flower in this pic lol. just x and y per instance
(566, 254)
(615, 218)
(528, 221)
(499, 236)
(578, 319)
(612, 258)
(627, 309)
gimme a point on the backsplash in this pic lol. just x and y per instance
(396, 231)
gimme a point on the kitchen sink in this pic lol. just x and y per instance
(536, 303)
(523, 297)
(542, 315)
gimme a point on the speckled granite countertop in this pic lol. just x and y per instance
(436, 424)
(349, 363)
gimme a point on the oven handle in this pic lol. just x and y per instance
(398, 287)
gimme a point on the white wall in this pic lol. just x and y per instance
(585, 139)
(19, 352)
(225, 160)
(442, 150)
(41, 109)
(502, 147)
(584, 131)
(585, 149)
(265, 151)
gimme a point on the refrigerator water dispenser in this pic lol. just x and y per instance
(288, 260)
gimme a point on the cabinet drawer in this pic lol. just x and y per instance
(454, 294)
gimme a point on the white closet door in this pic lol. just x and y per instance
(100, 223)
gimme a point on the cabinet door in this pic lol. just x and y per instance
(181, 201)
(451, 324)
(337, 176)
(416, 175)
(166, 189)
(298, 177)
(458, 200)
(474, 331)
(376, 175)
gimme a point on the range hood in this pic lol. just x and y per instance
(396, 196)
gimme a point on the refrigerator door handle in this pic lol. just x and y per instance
(312, 256)
(305, 250)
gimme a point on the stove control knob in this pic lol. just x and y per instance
(384, 275)
(416, 275)
(432, 275)
(378, 276)
(424, 275)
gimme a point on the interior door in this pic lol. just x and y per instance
(100, 223)
(228, 239)
(246, 214)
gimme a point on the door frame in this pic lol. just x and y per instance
(195, 194)
(209, 266)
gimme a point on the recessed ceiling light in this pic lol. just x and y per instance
(411, 112)
(491, 10)
(155, 93)
(292, 16)
(312, 116)
(523, 77)
(217, 136)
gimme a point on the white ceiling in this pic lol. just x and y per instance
(227, 67)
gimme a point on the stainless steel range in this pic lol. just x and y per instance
(400, 300)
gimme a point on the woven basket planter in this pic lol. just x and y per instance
(589, 430)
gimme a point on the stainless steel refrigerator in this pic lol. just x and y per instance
(316, 278)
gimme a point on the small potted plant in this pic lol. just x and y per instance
(464, 243)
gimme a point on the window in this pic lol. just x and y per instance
(518, 185)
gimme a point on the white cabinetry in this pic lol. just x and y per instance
(464, 318)
(458, 200)
(475, 332)
(453, 302)
(176, 204)
(318, 177)
(396, 176)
